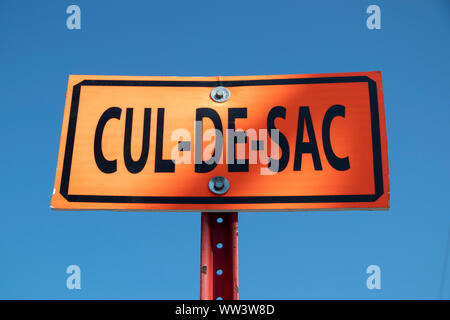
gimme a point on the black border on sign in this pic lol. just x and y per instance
(376, 145)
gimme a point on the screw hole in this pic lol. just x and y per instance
(219, 220)
(219, 272)
(219, 245)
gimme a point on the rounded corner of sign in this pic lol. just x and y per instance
(73, 78)
(57, 201)
(385, 204)
(374, 76)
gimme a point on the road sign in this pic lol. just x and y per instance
(288, 142)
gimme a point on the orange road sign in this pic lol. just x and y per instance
(286, 142)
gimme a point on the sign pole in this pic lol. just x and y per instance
(219, 267)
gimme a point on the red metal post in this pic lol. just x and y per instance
(219, 266)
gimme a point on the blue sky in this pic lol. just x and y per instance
(282, 255)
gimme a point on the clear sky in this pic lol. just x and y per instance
(282, 255)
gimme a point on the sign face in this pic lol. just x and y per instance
(289, 142)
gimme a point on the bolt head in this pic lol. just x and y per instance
(219, 185)
(220, 94)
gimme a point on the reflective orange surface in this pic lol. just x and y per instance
(359, 136)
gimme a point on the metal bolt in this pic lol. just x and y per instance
(219, 185)
(220, 94)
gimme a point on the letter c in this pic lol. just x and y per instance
(106, 166)
(341, 164)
